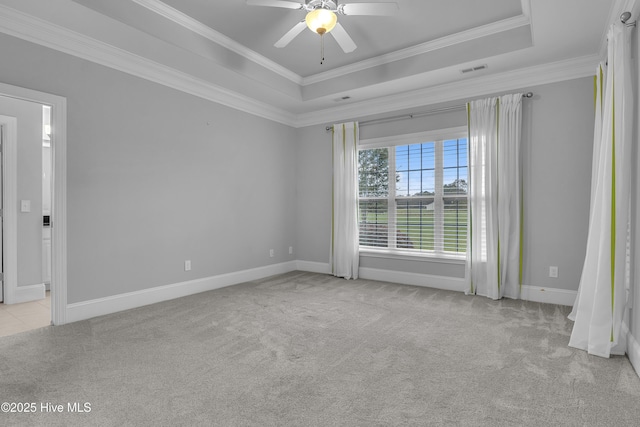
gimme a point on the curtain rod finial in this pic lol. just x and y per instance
(625, 17)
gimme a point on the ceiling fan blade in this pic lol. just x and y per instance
(343, 39)
(373, 9)
(275, 3)
(291, 34)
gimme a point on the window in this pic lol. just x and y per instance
(413, 193)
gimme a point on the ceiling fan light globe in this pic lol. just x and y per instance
(321, 21)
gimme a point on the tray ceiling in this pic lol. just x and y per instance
(226, 46)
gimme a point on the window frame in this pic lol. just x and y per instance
(390, 142)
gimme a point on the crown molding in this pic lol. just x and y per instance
(45, 33)
(455, 91)
(209, 33)
(443, 42)
(201, 29)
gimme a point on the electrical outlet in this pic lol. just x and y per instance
(290, 250)
(187, 265)
(272, 253)
(553, 271)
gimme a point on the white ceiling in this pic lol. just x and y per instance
(225, 48)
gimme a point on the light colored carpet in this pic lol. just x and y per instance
(304, 349)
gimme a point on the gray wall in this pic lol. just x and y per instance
(557, 140)
(558, 148)
(29, 187)
(313, 194)
(156, 177)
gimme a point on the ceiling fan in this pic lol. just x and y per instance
(322, 17)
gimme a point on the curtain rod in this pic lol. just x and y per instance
(412, 116)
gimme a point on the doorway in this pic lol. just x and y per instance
(18, 206)
(25, 300)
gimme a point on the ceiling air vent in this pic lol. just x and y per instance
(472, 69)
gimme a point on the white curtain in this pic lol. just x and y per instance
(604, 286)
(345, 255)
(494, 246)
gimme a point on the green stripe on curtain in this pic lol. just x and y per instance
(601, 89)
(344, 138)
(613, 201)
(595, 91)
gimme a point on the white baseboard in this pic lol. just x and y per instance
(401, 277)
(313, 267)
(548, 295)
(633, 351)
(112, 304)
(28, 293)
(415, 279)
(529, 293)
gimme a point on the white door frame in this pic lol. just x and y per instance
(9, 206)
(58, 197)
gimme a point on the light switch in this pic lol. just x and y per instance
(25, 206)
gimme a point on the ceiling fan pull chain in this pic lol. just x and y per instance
(321, 49)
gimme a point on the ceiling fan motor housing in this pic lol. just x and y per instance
(321, 4)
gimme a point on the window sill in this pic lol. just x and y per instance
(413, 256)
